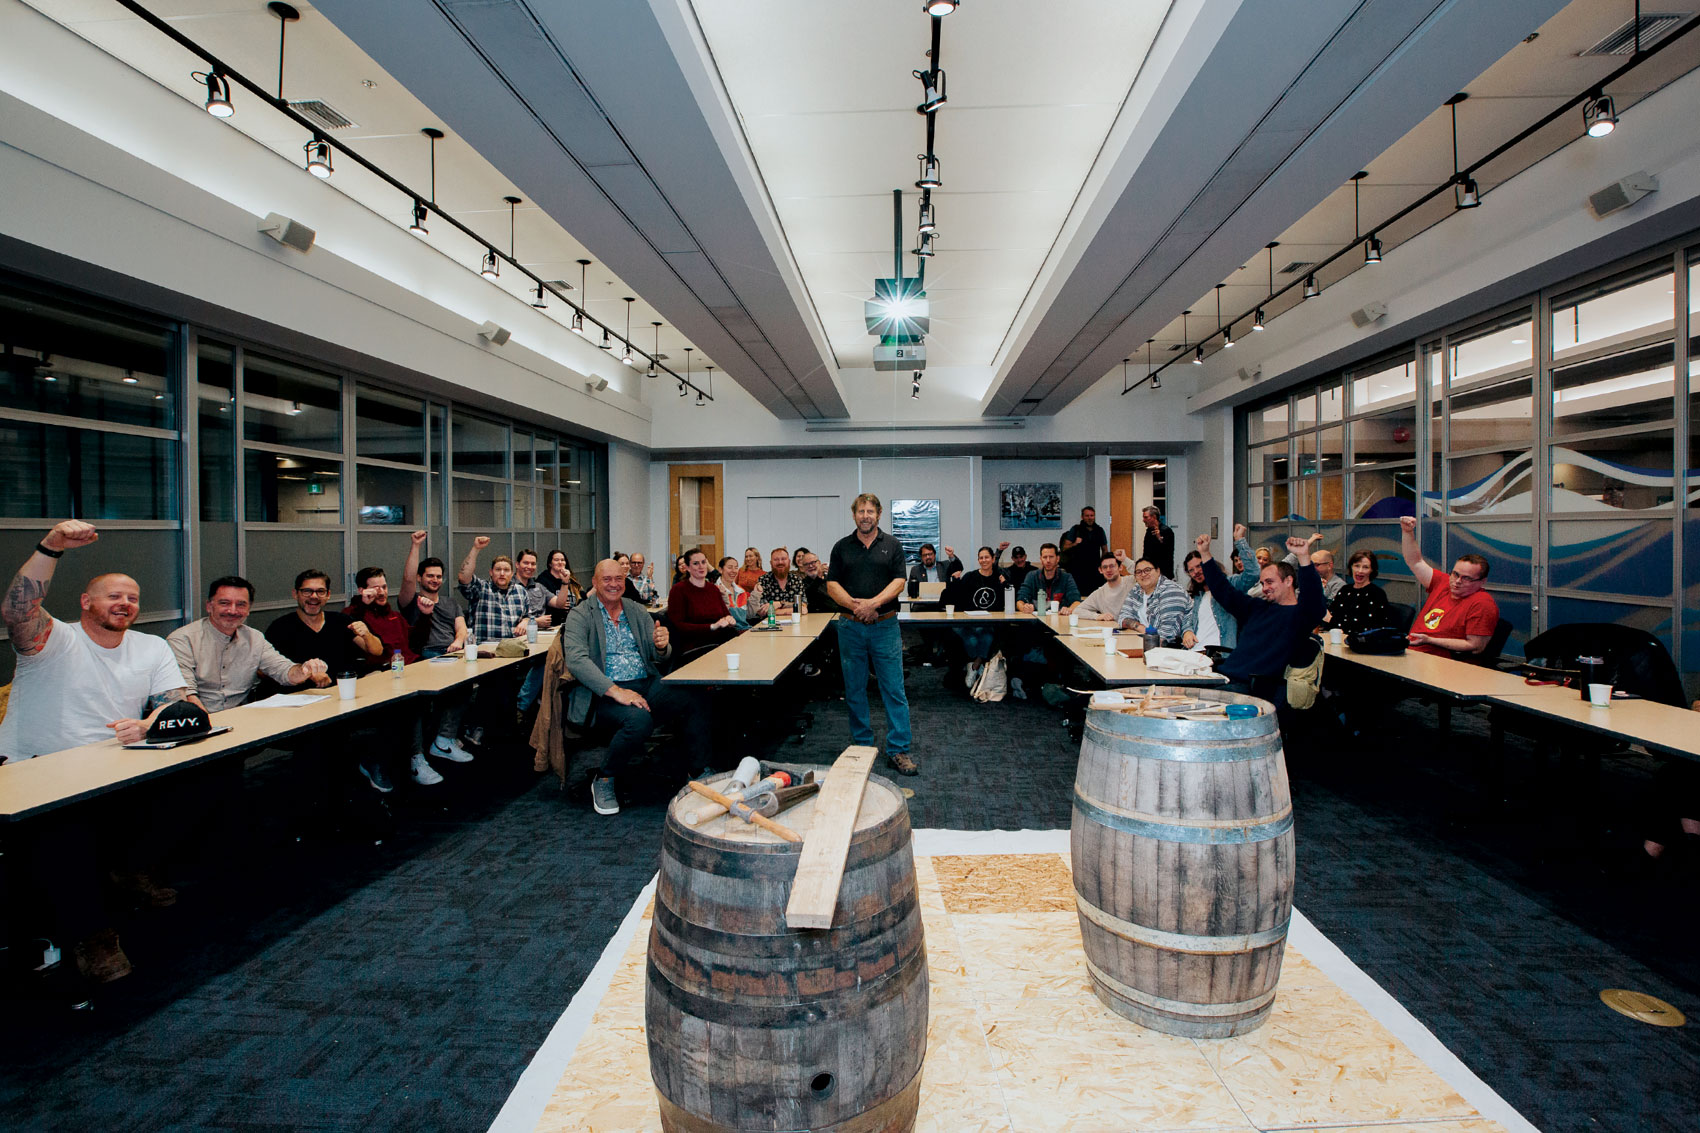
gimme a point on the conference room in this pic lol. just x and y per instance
(543, 455)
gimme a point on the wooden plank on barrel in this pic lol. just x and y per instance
(826, 844)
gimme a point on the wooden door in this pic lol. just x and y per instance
(697, 508)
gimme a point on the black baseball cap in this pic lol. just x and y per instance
(184, 720)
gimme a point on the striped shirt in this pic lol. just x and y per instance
(1162, 612)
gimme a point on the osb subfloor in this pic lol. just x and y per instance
(1017, 1041)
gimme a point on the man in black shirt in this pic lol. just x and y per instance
(864, 576)
(1019, 568)
(1083, 545)
(1159, 543)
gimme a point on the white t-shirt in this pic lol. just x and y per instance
(1208, 633)
(66, 695)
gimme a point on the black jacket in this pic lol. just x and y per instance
(947, 568)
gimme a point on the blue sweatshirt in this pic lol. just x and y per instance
(1270, 634)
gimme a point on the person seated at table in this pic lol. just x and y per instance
(696, 610)
(371, 605)
(813, 569)
(543, 608)
(1458, 617)
(80, 683)
(642, 578)
(1104, 604)
(222, 657)
(558, 575)
(1275, 630)
(1323, 560)
(781, 587)
(749, 575)
(1019, 568)
(1051, 581)
(613, 650)
(499, 608)
(1156, 605)
(931, 568)
(438, 618)
(631, 591)
(1209, 625)
(979, 589)
(1262, 557)
(1361, 604)
(746, 608)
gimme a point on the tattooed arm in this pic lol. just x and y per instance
(27, 622)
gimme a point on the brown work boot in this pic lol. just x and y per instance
(100, 959)
(142, 888)
(905, 763)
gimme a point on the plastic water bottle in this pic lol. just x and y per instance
(772, 621)
(397, 663)
(531, 631)
(1009, 599)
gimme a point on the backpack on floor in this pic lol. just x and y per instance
(993, 681)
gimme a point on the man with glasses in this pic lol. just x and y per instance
(1458, 617)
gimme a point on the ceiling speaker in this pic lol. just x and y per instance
(1252, 374)
(291, 233)
(497, 335)
(596, 385)
(1369, 313)
(1620, 195)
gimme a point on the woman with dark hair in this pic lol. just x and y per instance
(679, 571)
(1362, 604)
(557, 572)
(980, 589)
(696, 610)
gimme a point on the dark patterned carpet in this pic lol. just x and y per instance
(330, 983)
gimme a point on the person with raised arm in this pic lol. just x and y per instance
(1458, 617)
(1274, 630)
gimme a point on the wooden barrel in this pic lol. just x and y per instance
(756, 1026)
(1182, 844)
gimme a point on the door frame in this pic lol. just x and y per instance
(714, 472)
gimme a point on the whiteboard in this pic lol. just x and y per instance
(815, 522)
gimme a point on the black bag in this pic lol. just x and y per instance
(1381, 639)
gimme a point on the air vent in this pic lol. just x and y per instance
(559, 284)
(1297, 266)
(1654, 27)
(316, 110)
(1031, 400)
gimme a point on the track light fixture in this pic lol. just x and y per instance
(607, 342)
(1186, 338)
(1157, 379)
(925, 251)
(419, 216)
(1198, 355)
(627, 356)
(1372, 246)
(915, 386)
(218, 92)
(1311, 289)
(1227, 332)
(577, 325)
(938, 7)
(1257, 320)
(1465, 193)
(491, 268)
(318, 158)
(1599, 114)
(700, 395)
(932, 90)
(929, 172)
(1372, 249)
(681, 388)
(927, 223)
(540, 301)
(652, 372)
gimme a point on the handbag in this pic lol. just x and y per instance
(1304, 682)
(1380, 640)
(993, 681)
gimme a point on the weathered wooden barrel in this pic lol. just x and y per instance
(756, 1026)
(1182, 846)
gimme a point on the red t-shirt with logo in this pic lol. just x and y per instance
(1443, 615)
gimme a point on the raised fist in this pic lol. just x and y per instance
(70, 533)
(425, 603)
(1407, 523)
(419, 538)
(1240, 531)
(1297, 545)
(480, 542)
(1203, 545)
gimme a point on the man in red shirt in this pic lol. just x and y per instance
(1458, 617)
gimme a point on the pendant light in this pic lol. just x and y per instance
(1186, 340)
(1227, 331)
(577, 324)
(688, 350)
(218, 92)
(1466, 195)
(653, 372)
(1372, 246)
(627, 356)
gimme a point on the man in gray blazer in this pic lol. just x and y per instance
(612, 648)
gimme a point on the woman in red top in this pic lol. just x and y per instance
(752, 570)
(696, 610)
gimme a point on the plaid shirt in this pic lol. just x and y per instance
(495, 613)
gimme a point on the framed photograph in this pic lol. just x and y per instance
(1028, 507)
(915, 522)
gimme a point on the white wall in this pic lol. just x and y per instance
(628, 523)
(114, 170)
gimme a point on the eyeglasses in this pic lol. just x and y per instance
(313, 591)
(1466, 577)
(1145, 570)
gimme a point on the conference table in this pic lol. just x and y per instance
(1663, 728)
(33, 786)
(1119, 668)
(764, 655)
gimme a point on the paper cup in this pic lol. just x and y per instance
(1073, 621)
(1599, 696)
(732, 660)
(470, 653)
(796, 617)
(345, 687)
(950, 611)
(1337, 636)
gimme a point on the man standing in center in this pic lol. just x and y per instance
(864, 576)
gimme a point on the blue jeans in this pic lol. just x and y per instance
(877, 647)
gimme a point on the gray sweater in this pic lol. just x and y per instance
(584, 645)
